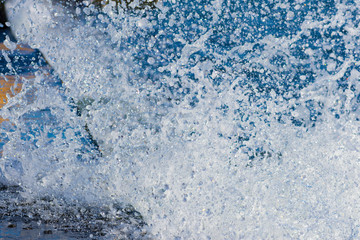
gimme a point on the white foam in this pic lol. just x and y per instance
(224, 168)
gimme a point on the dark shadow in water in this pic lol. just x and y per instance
(3, 18)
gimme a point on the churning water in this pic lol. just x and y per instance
(214, 119)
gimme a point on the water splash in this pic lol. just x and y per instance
(215, 119)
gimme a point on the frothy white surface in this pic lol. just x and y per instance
(183, 166)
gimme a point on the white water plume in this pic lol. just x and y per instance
(215, 119)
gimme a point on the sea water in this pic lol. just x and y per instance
(214, 119)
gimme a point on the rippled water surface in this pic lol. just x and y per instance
(204, 119)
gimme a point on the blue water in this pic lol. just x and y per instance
(214, 119)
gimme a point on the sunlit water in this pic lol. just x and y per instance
(213, 119)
